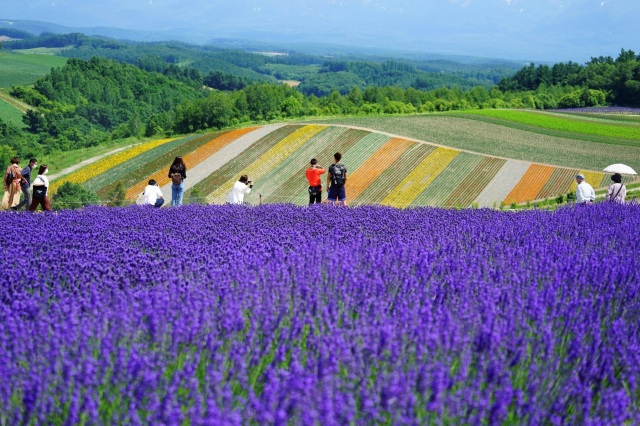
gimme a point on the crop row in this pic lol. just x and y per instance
(595, 179)
(294, 190)
(158, 169)
(394, 174)
(559, 183)
(274, 156)
(501, 140)
(105, 164)
(136, 169)
(420, 177)
(447, 181)
(474, 183)
(362, 177)
(531, 184)
(234, 165)
(299, 159)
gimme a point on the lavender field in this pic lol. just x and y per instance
(285, 315)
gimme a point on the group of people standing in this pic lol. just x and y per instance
(336, 180)
(17, 182)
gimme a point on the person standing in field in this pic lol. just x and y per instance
(177, 174)
(617, 192)
(584, 192)
(11, 183)
(315, 182)
(240, 188)
(25, 186)
(336, 179)
(40, 189)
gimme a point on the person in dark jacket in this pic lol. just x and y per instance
(25, 185)
(177, 174)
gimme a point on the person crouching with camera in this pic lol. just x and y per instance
(240, 188)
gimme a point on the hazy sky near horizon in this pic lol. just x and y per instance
(509, 28)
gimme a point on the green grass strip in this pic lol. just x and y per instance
(230, 169)
(572, 126)
(447, 181)
(394, 174)
(295, 190)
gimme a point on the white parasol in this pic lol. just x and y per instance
(623, 169)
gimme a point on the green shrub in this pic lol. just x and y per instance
(73, 196)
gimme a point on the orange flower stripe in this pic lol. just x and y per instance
(105, 164)
(192, 159)
(375, 165)
(531, 184)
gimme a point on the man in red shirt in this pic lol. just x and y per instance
(315, 184)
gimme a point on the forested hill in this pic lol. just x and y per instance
(618, 79)
(319, 74)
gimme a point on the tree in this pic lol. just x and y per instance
(117, 196)
(73, 196)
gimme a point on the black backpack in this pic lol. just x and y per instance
(338, 174)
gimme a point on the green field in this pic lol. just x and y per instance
(11, 110)
(504, 138)
(579, 124)
(25, 68)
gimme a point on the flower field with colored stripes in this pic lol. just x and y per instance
(382, 168)
(280, 314)
(106, 164)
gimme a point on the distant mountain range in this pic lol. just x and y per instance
(528, 30)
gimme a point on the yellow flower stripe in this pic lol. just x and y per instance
(267, 161)
(592, 178)
(105, 164)
(420, 177)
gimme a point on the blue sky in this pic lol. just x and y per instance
(538, 30)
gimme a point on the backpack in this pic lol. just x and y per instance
(176, 178)
(338, 172)
(10, 176)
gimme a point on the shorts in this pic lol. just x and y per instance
(337, 193)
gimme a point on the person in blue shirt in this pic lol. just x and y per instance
(25, 185)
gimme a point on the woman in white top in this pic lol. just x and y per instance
(40, 190)
(240, 188)
(617, 191)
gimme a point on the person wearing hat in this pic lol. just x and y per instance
(315, 183)
(584, 192)
(617, 191)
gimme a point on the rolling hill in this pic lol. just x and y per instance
(384, 168)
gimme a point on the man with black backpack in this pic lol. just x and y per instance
(336, 179)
